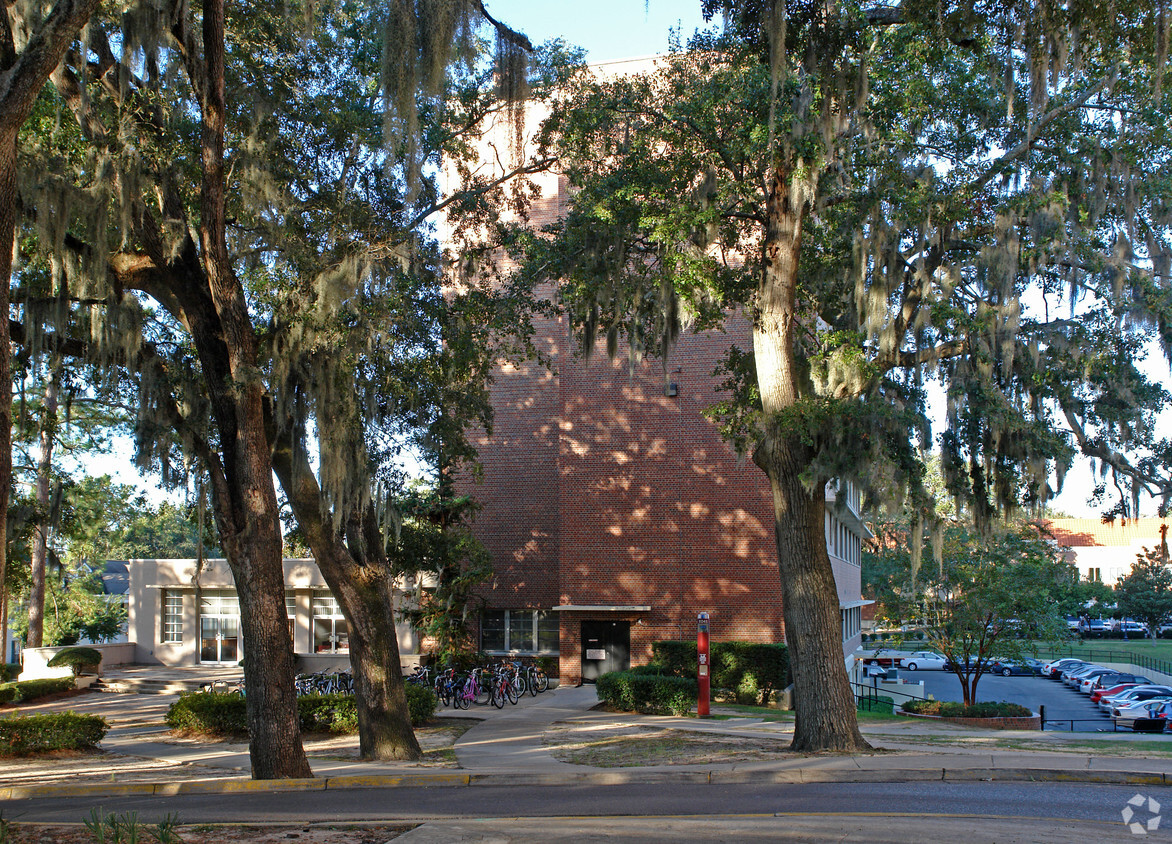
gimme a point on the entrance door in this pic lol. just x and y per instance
(219, 637)
(606, 646)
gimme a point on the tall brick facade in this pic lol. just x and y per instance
(609, 499)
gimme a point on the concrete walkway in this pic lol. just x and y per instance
(506, 747)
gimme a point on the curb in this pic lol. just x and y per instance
(792, 776)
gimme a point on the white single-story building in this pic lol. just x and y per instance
(179, 618)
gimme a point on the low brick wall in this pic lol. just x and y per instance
(1022, 722)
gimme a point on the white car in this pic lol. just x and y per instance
(1150, 711)
(1136, 694)
(922, 660)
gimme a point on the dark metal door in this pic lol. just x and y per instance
(606, 646)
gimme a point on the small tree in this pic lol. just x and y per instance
(78, 659)
(1145, 594)
(989, 598)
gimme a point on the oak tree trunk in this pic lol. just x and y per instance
(40, 550)
(359, 576)
(252, 538)
(826, 716)
(23, 75)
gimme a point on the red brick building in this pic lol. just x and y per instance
(614, 511)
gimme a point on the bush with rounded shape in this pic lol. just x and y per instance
(78, 660)
(9, 671)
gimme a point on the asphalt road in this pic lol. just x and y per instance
(856, 811)
(1066, 709)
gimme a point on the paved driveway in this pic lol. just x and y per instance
(1063, 704)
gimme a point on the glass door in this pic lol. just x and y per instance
(219, 628)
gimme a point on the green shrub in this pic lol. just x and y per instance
(421, 704)
(646, 693)
(955, 709)
(747, 672)
(32, 689)
(26, 735)
(9, 671)
(225, 714)
(208, 712)
(78, 659)
(335, 713)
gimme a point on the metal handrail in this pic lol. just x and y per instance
(1148, 662)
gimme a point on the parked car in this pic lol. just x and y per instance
(1096, 627)
(1055, 667)
(1088, 677)
(1136, 694)
(1142, 716)
(1099, 694)
(1006, 669)
(1071, 676)
(1107, 681)
(923, 660)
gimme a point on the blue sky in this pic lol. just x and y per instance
(607, 29)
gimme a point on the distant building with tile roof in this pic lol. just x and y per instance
(1105, 551)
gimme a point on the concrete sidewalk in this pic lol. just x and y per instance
(506, 747)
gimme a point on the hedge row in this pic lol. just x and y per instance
(955, 709)
(225, 714)
(22, 736)
(651, 694)
(747, 672)
(32, 689)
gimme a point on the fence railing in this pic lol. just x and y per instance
(1098, 655)
(868, 697)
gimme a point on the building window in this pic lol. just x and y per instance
(172, 616)
(1095, 574)
(331, 633)
(523, 631)
(852, 622)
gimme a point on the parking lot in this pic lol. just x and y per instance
(1066, 709)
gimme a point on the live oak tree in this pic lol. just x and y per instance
(260, 232)
(32, 43)
(892, 194)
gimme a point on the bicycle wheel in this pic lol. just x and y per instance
(531, 684)
(498, 695)
(511, 693)
(540, 680)
(483, 691)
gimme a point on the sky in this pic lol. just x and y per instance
(619, 29)
(606, 29)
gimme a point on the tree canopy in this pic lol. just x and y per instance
(896, 195)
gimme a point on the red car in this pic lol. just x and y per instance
(1098, 694)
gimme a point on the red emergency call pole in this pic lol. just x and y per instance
(702, 673)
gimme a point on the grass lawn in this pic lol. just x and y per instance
(1100, 650)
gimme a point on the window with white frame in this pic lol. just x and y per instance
(852, 622)
(331, 632)
(523, 631)
(172, 616)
